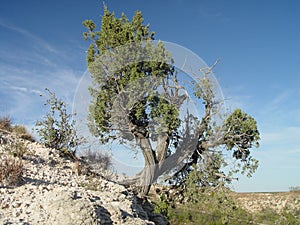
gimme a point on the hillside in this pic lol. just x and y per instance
(54, 190)
(277, 201)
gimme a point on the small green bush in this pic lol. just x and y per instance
(16, 148)
(212, 204)
(270, 216)
(57, 129)
(213, 207)
(11, 170)
(212, 212)
(163, 206)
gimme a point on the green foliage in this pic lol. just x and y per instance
(241, 133)
(137, 98)
(216, 204)
(57, 129)
(115, 32)
(209, 206)
(16, 148)
(269, 216)
(215, 198)
(206, 200)
(194, 215)
(163, 207)
(118, 76)
(204, 88)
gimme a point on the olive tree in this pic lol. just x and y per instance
(137, 98)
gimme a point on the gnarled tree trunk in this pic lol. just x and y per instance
(148, 174)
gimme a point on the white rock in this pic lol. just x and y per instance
(52, 194)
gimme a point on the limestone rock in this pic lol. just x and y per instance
(53, 193)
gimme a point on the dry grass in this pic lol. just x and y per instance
(6, 123)
(11, 170)
(21, 132)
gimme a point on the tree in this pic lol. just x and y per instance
(137, 98)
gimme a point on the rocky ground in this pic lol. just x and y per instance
(55, 190)
(277, 201)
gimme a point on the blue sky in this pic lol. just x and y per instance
(258, 43)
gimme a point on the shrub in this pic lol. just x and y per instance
(211, 204)
(11, 170)
(98, 159)
(16, 148)
(294, 188)
(21, 132)
(163, 206)
(270, 216)
(5, 123)
(57, 129)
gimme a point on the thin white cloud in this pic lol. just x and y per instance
(24, 75)
(279, 100)
(236, 97)
(22, 89)
(26, 70)
(42, 43)
(209, 14)
(27, 55)
(295, 150)
(238, 101)
(282, 135)
(212, 13)
(63, 81)
(21, 95)
(26, 90)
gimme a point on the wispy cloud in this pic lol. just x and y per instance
(207, 12)
(282, 136)
(295, 151)
(279, 100)
(281, 109)
(27, 69)
(21, 95)
(40, 42)
(236, 97)
(26, 90)
(277, 112)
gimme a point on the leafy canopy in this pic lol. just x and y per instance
(137, 97)
(136, 65)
